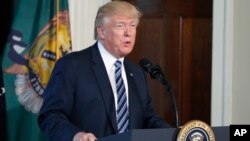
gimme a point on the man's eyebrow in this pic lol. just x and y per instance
(134, 21)
(120, 22)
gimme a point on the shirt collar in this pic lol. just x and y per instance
(107, 57)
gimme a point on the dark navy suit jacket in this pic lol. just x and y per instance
(79, 97)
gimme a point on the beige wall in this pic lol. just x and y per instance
(241, 63)
(82, 16)
(230, 64)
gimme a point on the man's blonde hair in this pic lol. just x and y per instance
(115, 8)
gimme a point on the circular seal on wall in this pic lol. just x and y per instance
(196, 130)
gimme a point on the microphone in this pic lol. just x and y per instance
(155, 72)
(148, 67)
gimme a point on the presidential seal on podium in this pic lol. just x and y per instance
(196, 130)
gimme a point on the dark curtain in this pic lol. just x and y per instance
(6, 14)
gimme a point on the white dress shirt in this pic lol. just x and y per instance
(109, 61)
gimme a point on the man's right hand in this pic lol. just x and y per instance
(82, 136)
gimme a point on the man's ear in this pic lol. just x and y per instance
(100, 32)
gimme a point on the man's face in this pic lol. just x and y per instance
(117, 34)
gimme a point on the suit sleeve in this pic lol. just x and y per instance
(58, 100)
(152, 119)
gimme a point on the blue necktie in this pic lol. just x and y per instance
(122, 109)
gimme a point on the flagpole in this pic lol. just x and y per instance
(57, 24)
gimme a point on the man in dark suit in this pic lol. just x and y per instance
(97, 92)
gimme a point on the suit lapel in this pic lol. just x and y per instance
(133, 99)
(104, 85)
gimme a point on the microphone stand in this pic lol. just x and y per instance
(158, 75)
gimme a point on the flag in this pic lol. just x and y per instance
(39, 36)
